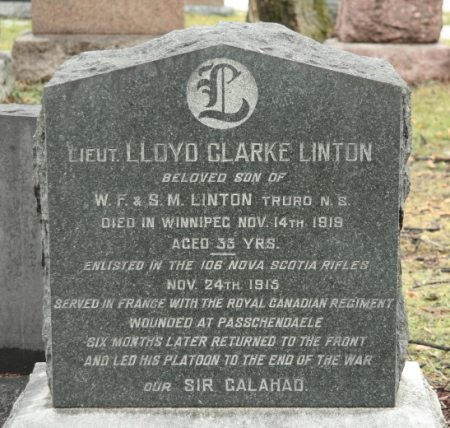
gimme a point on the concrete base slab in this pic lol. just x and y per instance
(417, 407)
(38, 56)
(10, 389)
(414, 62)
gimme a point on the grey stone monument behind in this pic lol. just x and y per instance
(221, 211)
(21, 285)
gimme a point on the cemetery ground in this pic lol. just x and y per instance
(425, 239)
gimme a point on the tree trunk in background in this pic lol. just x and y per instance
(308, 17)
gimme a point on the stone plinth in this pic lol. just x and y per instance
(417, 407)
(10, 388)
(389, 21)
(107, 16)
(37, 57)
(414, 62)
(21, 288)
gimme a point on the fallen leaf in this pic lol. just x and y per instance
(428, 330)
(431, 164)
(439, 134)
(435, 311)
(425, 209)
(412, 294)
(422, 347)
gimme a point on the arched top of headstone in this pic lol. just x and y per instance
(266, 38)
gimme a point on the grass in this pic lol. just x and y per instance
(426, 283)
(446, 18)
(431, 119)
(191, 19)
(26, 93)
(10, 29)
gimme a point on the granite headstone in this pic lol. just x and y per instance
(21, 288)
(221, 212)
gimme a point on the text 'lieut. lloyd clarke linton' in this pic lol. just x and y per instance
(227, 152)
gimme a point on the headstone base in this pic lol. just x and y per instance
(414, 62)
(10, 388)
(38, 56)
(417, 407)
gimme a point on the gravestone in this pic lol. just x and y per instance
(221, 223)
(65, 29)
(392, 21)
(405, 33)
(115, 17)
(21, 287)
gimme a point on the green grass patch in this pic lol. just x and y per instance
(26, 93)
(191, 19)
(426, 255)
(430, 119)
(446, 18)
(10, 29)
(425, 260)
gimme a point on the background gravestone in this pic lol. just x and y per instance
(21, 288)
(405, 33)
(392, 21)
(221, 211)
(62, 29)
(107, 17)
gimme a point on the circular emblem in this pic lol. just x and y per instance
(222, 93)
